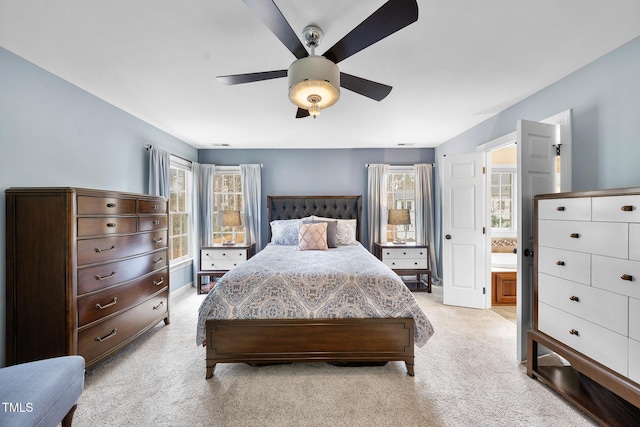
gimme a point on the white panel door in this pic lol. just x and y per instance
(463, 251)
(536, 174)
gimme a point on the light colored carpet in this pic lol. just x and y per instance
(466, 375)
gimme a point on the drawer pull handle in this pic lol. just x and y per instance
(560, 263)
(111, 249)
(111, 224)
(574, 332)
(156, 222)
(102, 307)
(106, 337)
(156, 207)
(560, 208)
(574, 235)
(627, 277)
(99, 277)
(111, 205)
(627, 208)
(159, 305)
(155, 261)
(574, 298)
(160, 240)
(159, 283)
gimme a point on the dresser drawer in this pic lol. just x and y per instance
(607, 309)
(150, 223)
(565, 209)
(634, 318)
(220, 264)
(152, 206)
(405, 258)
(405, 264)
(634, 242)
(634, 360)
(90, 205)
(91, 251)
(112, 300)
(570, 265)
(616, 209)
(100, 339)
(223, 253)
(600, 344)
(616, 275)
(407, 253)
(604, 238)
(104, 226)
(92, 279)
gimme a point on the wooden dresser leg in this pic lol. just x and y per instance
(210, 370)
(66, 421)
(409, 368)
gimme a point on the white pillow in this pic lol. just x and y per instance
(346, 233)
(285, 231)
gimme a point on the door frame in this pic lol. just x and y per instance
(564, 120)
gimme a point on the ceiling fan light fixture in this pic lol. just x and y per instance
(314, 78)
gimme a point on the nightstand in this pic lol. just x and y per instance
(407, 259)
(216, 260)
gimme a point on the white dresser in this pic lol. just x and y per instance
(218, 259)
(407, 259)
(587, 300)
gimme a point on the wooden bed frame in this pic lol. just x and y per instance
(310, 340)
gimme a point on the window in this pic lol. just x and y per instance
(179, 211)
(227, 196)
(401, 195)
(502, 200)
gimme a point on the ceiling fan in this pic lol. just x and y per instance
(315, 81)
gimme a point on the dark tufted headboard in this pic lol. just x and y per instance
(294, 207)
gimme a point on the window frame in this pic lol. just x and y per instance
(238, 230)
(506, 231)
(411, 230)
(186, 166)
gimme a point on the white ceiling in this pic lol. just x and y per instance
(460, 63)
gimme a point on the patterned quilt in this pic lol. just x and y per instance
(281, 282)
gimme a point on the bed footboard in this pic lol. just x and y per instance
(309, 340)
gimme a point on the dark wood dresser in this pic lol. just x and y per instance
(87, 271)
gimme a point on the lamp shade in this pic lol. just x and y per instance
(314, 83)
(399, 217)
(229, 218)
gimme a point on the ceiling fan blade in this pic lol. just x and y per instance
(251, 77)
(364, 87)
(275, 21)
(392, 16)
(301, 114)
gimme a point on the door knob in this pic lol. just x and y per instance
(527, 252)
(448, 237)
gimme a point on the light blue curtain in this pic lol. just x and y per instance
(159, 170)
(202, 211)
(376, 203)
(424, 211)
(251, 196)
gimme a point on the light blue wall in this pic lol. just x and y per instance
(316, 172)
(54, 134)
(605, 98)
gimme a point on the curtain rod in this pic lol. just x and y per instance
(149, 146)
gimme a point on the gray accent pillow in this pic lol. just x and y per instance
(332, 231)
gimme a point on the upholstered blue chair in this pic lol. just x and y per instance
(42, 393)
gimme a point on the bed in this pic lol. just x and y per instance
(287, 305)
